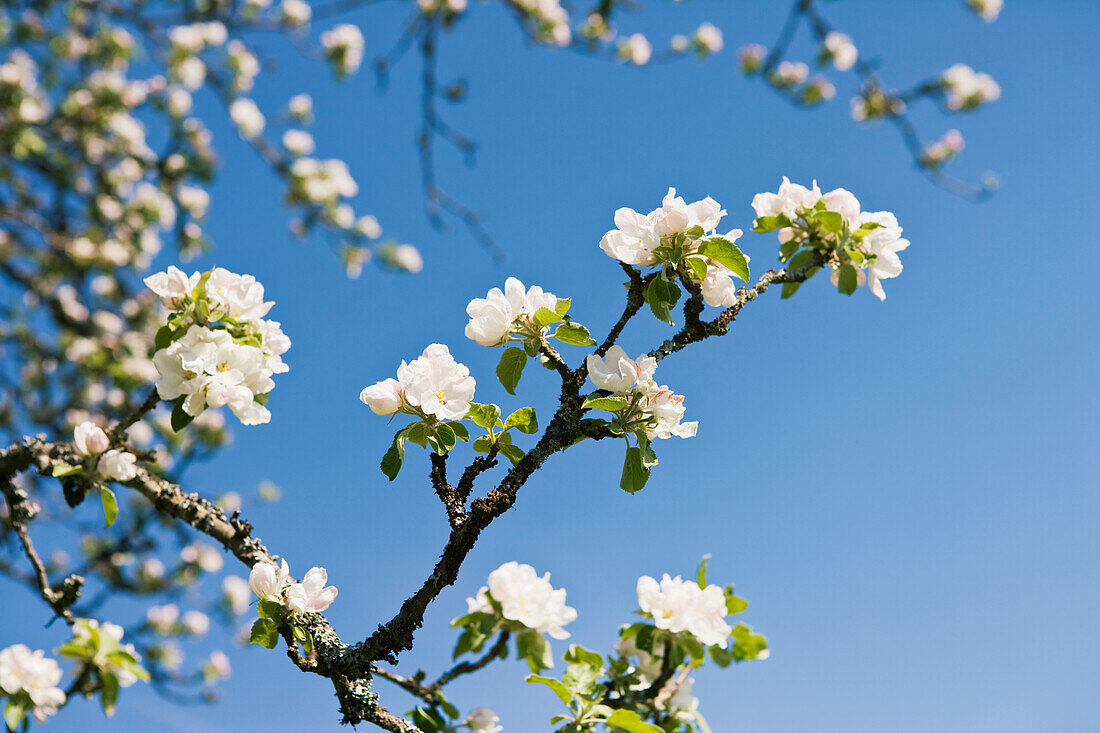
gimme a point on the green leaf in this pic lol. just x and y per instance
(574, 334)
(629, 720)
(180, 418)
(800, 260)
(460, 431)
(559, 689)
(830, 221)
(562, 306)
(635, 472)
(701, 573)
(733, 603)
(264, 633)
(722, 657)
(610, 404)
(304, 638)
(110, 506)
(511, 452)
(790, 289)
(770, 223)
(163, 339)
(428, 721)
(848, 279)
(484, 416)
(444, 703)
(646, 637)
(510, 368)
(577, 654)
(728, 254)
(582, 679)
(697, 266)
(395, 456)
(417, 433)
(272, 610)
(747, 645)
(108, 693)
(482, 444)
(662, 295)
(787, 249)
(532, 646)
(523, 420)
(14, 713)
(544, 317)
(442, 438)
(64, 469)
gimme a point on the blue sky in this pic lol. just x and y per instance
(905, 491)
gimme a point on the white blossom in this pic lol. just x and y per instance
(681, 605)
(433, 383)
(988, 10)
(709, 38)
(268, 581)
(498, 314)
(235, 592)
(22, 670)
(247, 117)
(618, 373)
(529, 599)
(343, 45)
(89, 439)
(162, 619)
(298, 142)
(968, 89)
(218, 664)
(311, 595)
(117, 465)
(196, 622)
(636, 49)
(295, 12)
(841, 50)
(790, 198)
(483, 720)
(882, 244)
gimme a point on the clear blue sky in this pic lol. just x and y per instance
(905, 491)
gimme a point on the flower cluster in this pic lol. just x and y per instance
(636, 49)
(968, 89)
(751, 57)
(449, 7)
(549, 21)
(217, 350)
(682, 236)
(839, 50)
(99, 646)
(680, 605)
(641, 403)
(873, 103)
(516, 592)
(940, 151)
(30, 682)
(432, 386)
(344, 48)
(273, 583)
(859, 246)
(499, 316)
(483, 720)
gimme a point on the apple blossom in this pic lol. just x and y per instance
(117, 465)
(196, 622)
(483, 720)
(988, 10)
(383, 398)
(311, 595)
(618, 373)
(33, 674)
(636, 49)
(247, 117)
(496, 316)
(680, 605)
(235, 592)
(708, 38)
(268, 581)
(526, 598)
(968, 89)
(89, 439)
(433, 384)
(162, 619)
(343, 45)
(840, 50)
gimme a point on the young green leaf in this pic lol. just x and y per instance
(523, 420)
(544, 317)
(770, 223)
(395, 456)
(629, 720)
(574, 334)
(559, 689)
(110, 506)
(610, 404)
(484, 416)
(180, 418)
(635, 472)
(510, 368)
(264, 633)
(848, 279)
(728, 254)
(64, 469)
